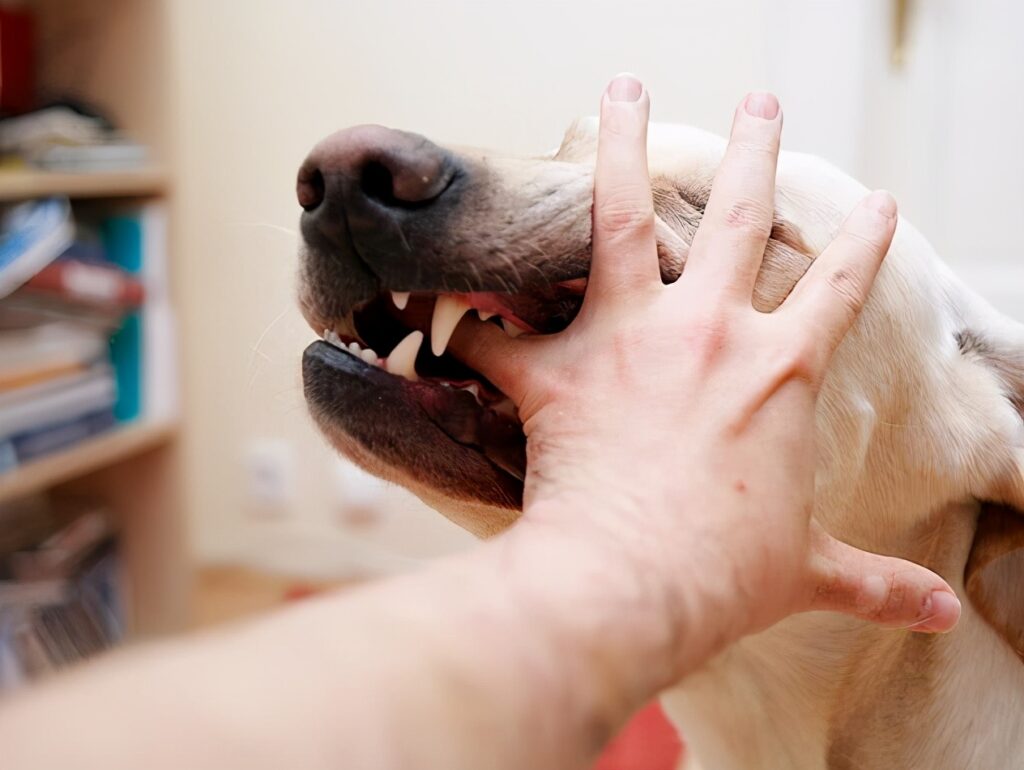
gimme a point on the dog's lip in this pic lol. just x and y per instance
(455, 411)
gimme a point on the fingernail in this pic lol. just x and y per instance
(882, 202)
(762, 105)
(625, 88)
(940, 612)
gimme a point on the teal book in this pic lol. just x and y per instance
(123, 240)
(126, 358)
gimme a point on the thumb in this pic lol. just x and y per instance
(880, 589)
(490, 351)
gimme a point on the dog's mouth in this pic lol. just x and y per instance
(385, 376)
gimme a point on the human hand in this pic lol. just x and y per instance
(673, 426)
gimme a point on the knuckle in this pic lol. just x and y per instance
(756, 147)
(626, 211)
(863, 241)
(799, 359)
(893, 605)
(848, 286)
(708, 339)
(749, 217)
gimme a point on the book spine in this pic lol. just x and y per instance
(88, 284)
(144, 350)
(54, 438)
(47, 630)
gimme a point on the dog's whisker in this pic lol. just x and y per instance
(267, 225)
(255, 348)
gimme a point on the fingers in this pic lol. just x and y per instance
(730, 242)
(880, 589)
(830, 296)
(624, 250)
(497, 356)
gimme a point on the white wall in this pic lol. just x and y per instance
(258, 82)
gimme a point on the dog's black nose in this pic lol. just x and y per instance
(393, 169)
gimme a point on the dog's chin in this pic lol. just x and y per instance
(457, 453)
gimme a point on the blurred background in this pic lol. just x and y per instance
(158, 469)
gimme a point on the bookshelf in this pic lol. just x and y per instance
(19, 184)
(115, 56)
(88, 457)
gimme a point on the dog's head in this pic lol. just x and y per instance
(922, 407)
(393, 220)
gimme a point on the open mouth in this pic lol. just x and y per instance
(387, 363)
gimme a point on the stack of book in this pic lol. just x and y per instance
(60, 589)
(68, 137)
(69, 337)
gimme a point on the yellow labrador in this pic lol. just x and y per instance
(919, 424)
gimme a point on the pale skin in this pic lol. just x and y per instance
(639, 555)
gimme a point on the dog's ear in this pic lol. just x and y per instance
(994, 576)
(678, 212)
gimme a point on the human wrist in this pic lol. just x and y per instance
(603, 603)
(665, 595)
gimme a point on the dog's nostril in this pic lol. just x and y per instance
(310, 188)
(377, 183)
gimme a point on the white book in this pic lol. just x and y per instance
(51, 344)
(160, 349)
(97, 391)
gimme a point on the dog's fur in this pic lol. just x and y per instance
(920, 436)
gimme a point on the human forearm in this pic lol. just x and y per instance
(515, 655)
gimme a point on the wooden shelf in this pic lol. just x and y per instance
(84, 458)
(19, 184)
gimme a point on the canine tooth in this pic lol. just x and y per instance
(368, 356)
(485, 315)
(400, 298)
(510, 328)
(448, 311)
(402, 360)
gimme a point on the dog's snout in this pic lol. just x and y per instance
(392, 169)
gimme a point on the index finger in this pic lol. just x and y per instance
(625, 254)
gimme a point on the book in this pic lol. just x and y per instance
(32, 235)
(60, 554)
(144, 350)
(87, 283)
(110, 155)
(47, 624)
(55, 437)
(24, 309)
(49, 345)
(56, 403)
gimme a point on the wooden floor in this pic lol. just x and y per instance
(231, 593)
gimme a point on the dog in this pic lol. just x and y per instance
(920, 422)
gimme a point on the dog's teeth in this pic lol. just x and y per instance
(485, 315)
(448, 311)
(354, 348)
(331, 337)
(402, 360)
(400, 298)
(369, 356)
(510, 328)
